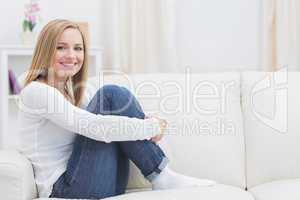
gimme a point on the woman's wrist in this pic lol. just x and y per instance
(161, 123)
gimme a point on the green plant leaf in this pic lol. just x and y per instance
(25, 25)
(32, 26)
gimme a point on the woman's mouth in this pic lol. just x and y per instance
(68, 65)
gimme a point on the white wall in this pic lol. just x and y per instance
(11, 16)
(213, 35)
(216, 35)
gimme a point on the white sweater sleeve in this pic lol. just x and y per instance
(40, 100)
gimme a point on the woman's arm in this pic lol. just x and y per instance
(39, 99)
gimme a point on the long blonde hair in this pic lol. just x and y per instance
(44, 53)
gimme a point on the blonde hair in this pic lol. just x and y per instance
(44, 53)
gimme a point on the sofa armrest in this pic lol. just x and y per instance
(16, 177)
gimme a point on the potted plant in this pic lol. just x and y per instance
(30, 21)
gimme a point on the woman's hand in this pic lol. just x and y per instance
(157, 138)
(163, 125)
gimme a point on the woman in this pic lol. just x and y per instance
(80, 151)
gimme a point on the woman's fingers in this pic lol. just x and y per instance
(157, 138)
(162, 124)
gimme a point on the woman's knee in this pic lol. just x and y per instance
(115, 100)
(103, 98)
(114, 90)
(117, 94)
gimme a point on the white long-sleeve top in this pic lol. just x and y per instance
(49, 123)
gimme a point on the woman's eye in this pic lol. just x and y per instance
(78, 48)
(60, 48)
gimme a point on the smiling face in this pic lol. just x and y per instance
(69, 55)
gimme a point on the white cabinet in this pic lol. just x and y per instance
(18, 58)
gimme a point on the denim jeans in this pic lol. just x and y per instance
(98, 170)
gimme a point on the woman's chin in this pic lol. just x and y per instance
(64, 74)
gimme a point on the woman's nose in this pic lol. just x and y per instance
(70, 53)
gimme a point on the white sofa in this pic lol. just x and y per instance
(239, 129)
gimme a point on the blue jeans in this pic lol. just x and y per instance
(98, 170)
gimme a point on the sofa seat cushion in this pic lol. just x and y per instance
(277, 190)
(216, 192)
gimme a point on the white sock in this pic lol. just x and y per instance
(168, 179)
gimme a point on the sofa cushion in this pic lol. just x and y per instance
(271, 105)
(216, 192)
(277, 190)
(205, 137)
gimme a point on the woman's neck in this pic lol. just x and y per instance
(58, 84)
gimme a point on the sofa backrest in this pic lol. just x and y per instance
(205, 137)
(271, 109)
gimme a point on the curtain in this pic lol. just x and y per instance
(139, 35)
(281, 35)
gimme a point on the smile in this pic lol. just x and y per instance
(69, 65)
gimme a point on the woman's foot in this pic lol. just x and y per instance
(169, 179)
